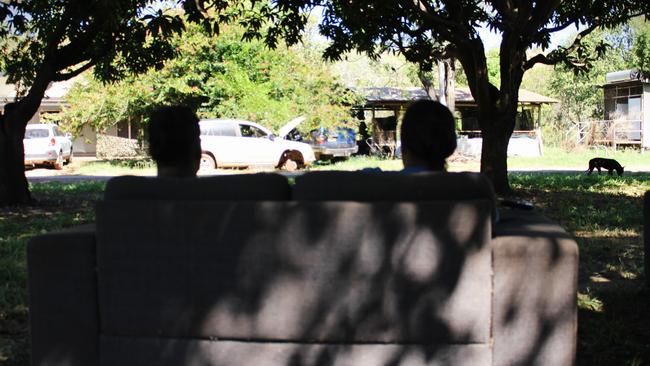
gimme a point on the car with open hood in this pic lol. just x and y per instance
(240, 143)
(333, 143)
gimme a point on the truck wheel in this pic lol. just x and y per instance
(290, 165)
(69, 159)
(207, 162)
(290, 160)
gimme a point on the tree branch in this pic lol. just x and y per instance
(200, 6)
(73, 53)
(69, 75)
(57, 35)
(503, 7)
(558, 28)
(441, 25)
(540, 15)
(559, 54)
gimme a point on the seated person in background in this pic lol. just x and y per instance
(428, 136)
(174, 142)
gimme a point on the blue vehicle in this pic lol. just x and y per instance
(333, 143)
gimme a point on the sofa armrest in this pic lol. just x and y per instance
(534, 313)
(63, 297)
(646, 237)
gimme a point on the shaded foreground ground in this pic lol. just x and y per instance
(602, 212)
(605, 216)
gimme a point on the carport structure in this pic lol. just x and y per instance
(385, 105)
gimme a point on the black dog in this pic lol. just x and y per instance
(609, 164)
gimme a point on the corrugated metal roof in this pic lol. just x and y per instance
(55, 93)
(389, 94)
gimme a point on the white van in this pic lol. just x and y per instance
(239, 143)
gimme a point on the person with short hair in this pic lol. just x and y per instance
(428, 136)
(174, 141)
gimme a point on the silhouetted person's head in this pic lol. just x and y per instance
(428, 135)
(174, 141)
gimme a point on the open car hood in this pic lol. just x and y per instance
(284, 130)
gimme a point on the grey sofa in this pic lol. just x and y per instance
(340, 269)
(646, 237)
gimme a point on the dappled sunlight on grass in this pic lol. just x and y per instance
(554, 157)
(117, 167)
(359, 163)
(589, 301)
(56, 206)
(607, 233)
(604, 214)
(371, 162)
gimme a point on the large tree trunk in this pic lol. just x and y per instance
(497, 106)
(431, 90)
(494, 153)
(450, 87)
(13, 183)
(497, 122)
(447, 83)
(442, 83)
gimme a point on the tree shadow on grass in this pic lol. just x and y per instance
(55, 206)
(605, 216)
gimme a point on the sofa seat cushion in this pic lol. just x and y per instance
(285, 271)
(362, 186)
(125, 351)
(248, 187)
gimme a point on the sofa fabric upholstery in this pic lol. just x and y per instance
(535, 277)
(414, 274)
(62, 288)
(173, 352)
(248, 187)
(646, 237)
(429, 279)
(393, 186)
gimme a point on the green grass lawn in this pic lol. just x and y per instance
(579, 158)
(58, 206)
(553, 159)
(603, 213)
(117, 167)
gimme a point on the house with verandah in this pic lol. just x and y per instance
(626, 120)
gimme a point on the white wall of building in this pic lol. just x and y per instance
(645, 139)
(87, 142)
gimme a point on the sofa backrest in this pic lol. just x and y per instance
(362, 186)
(248, 187)
(404, 281)
(646, 237)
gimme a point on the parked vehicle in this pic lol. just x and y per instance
(238, 143)
(46, 144)
(336, 143)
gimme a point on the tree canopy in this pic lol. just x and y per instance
(52, 40)
(428, 30)
(641, 48)
(220, 76)
(580, 93)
